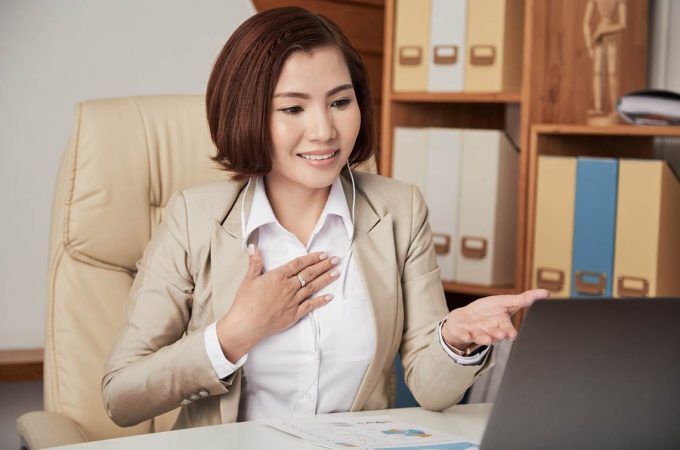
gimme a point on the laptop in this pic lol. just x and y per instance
(591, 374)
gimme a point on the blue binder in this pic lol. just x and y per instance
(594, 227)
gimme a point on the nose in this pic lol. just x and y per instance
(322, 126)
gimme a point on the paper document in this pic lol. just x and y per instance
(369, 432)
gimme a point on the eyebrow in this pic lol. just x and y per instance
(333, 91)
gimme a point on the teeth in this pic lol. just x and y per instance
(318, 157)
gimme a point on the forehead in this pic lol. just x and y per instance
(321, 69)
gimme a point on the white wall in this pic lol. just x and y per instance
(665, 65)
(52, 55)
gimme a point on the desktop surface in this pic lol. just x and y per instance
(467, 421)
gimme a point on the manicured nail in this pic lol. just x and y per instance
(335, 260)
(323, 256)
(251, 249)
(334, 273)
(328, 298)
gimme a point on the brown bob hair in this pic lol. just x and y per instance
(242, 82)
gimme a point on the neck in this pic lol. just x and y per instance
(296, 207)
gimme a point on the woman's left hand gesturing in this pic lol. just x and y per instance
(487, 320)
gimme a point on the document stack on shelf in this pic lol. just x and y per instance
(650, 107)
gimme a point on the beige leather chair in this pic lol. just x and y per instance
(125, 158)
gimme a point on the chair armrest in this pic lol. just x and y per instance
(42, 429)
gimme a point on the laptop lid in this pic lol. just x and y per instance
(591, 374)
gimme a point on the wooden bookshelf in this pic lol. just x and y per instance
(478, 290)
(457, 97)
(615, 130)
(555, 93)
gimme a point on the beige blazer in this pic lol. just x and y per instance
(191, 270)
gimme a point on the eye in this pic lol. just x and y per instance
(291, 110)
(341, 103)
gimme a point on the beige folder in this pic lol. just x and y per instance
(487, 216)
(647, 255)
(411, 45)
(494, 45)
(554, 232)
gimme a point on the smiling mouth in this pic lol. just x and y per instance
(319, 157)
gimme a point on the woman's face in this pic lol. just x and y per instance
(315, 119)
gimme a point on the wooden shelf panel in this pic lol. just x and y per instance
(615, 130)
(456, 97)
(21, 365)
(475, 289)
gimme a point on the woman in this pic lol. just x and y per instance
(288, 289)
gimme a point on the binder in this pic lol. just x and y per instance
(647, 255)
(594, 227)
(411, 45)
(441, 194)
(447, 45)
(487, 209)
(554, 232)
(430, 159)
(409, 161)
(494, 45)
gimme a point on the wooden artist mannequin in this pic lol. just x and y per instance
(602, 49)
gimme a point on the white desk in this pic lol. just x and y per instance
(467, 421)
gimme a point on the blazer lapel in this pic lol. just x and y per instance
(228, 266)
(228, 256)
(374, 249)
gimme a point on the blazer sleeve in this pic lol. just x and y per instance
(436, 381)
(155, 365)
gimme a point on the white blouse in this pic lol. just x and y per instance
(316, 365)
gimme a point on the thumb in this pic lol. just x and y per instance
(255, 262)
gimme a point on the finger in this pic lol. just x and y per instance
(482, 338)
(316, 270)
(255, 261)
(316, 284)
(499, 326)
(296, 265)
(313, 303)
(513, 303)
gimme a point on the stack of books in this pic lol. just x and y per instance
(650, 107)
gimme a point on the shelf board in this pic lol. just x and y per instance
(21, 365)
(475, 289)
(614, 130)
(456, 97)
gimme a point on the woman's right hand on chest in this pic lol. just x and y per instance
(268, 303)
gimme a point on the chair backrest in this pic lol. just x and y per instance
(124, 160)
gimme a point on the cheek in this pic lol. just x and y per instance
(283, 134)
(352, 124)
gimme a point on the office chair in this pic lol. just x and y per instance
(124, 160)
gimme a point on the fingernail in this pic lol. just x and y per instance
(335, 260)
(328, 298)
(323, 256)
(334, 273)
(251, 249)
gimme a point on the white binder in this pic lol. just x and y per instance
(409, 157)
(487, 216)
(430, 159)
(441, 194)
(446, 66)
